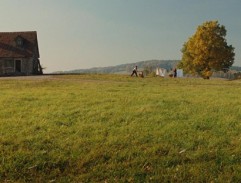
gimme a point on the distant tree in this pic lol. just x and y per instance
(207, 51)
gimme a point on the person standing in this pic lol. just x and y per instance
(175, 73)
(134, 71)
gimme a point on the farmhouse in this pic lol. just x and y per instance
(19, 53)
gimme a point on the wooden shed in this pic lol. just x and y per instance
(19, 54)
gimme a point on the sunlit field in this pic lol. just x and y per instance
(117, 128)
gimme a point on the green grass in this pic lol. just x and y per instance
(114, 128)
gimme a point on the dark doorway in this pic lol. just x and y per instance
(18, 66)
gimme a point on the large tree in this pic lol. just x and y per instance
(207, 50)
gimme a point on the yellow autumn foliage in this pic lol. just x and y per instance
(207, 50)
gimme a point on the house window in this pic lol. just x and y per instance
(8, 66)
(19, 42)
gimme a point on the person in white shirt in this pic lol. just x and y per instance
(134, 71)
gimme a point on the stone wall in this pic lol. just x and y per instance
(27, 66)
(7, 66)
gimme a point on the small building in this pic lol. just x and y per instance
(19, 54)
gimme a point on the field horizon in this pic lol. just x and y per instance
(117, 128)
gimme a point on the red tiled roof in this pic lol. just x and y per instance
(9, 48)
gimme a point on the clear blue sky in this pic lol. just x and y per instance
(75, 34)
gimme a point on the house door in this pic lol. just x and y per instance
(18, 66)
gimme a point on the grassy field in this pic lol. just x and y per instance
(114, 128)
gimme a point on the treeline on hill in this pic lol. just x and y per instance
(148, 67)
(127, 68)
(235, 68)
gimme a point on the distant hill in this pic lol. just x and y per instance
(236, 68)
(127, 68)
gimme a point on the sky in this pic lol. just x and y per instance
(80, 34)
